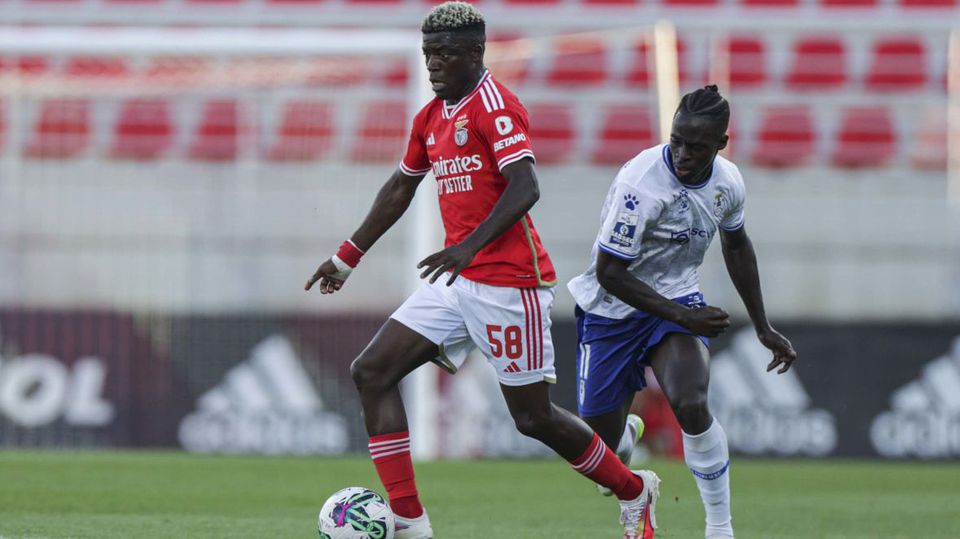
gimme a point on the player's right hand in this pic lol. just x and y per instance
(330, 278)
(707, 321)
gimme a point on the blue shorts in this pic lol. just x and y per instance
(612, 355)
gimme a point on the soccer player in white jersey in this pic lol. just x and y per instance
(639, 302)
(495, 286)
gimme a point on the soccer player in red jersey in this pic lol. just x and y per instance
(491, 287)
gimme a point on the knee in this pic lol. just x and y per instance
(693, 414)
(366, 376)
(532, 424)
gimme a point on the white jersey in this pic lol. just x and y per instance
(662, 226)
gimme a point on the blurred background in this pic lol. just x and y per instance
(172, 171)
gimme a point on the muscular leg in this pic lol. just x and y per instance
(565, 433)
(394, 352)
(681, 363)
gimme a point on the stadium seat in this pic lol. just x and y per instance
(578, 62)
(176, 70)
(785, 138)
(930, 150)
(506, 58)
(818, 64)
(639, 71)
(532, 3)
(338, 71)
(383, 134)
(305, 133)
(552, 133)
(771, 3)
(625, 131)
(26, 65)
(690, 3)
(62, 130)
(95, 66)
(747, 61)
(929, 4)
(611, 2)
(216, 136)
(865, 139)
(897, 65)
(849, 3)
(143, 130)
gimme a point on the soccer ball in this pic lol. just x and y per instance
(355, 513)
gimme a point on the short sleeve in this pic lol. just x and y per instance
(732, 217)
(627, 217)
(415, 161)
(505, 128)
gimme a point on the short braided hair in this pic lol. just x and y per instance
(707, 102)
(454, 17)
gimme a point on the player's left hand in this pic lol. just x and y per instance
(783, 353)
(453, 259)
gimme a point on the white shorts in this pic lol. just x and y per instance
(511, 326)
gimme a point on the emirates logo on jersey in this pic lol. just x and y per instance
(458, 165)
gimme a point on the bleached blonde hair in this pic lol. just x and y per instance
(452, 16)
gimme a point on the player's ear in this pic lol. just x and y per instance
(724, 138)
(476, 52)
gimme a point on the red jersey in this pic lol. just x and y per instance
(466, 146)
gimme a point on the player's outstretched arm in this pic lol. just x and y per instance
(741, 261)
(521, 194)
(614, 276)
(389, 205)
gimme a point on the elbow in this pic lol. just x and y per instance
(606, 280)
(534, 194)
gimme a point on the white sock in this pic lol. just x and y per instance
(708, 458)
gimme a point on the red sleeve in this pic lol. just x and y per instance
(415, 161)
(505, 127)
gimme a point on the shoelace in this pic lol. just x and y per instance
(631, 519)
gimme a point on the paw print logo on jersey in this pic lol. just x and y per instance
(682, 199)
(630, 202)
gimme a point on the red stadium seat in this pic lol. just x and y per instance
(625, 132)
(305, 133)
(690, 3)
(95, 66)
(578, 62)
(62, 130)
(338, 71)
(850, 3)
(26, 65)
(929, 4)
(786, 137)
(818, 64)
(865, 139)
(771, 3)
(143, 130)
(552, 133)
(611, 2)
(747, 61)
(507, 59)
(531, 3)
(640, 72)
(177, 70)
(383, 132)
(216, 137)
(897, 64)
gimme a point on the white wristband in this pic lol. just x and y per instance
(343, 269)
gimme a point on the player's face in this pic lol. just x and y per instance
(694, 143)
(453, 63)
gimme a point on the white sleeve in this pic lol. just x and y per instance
(733, 215)
(627, 216)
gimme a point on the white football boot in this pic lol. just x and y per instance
(625, 451)
(638, 516)
(412, 528)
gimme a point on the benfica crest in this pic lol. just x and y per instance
(460, 136)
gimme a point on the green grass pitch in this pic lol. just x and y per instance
(143, 495)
